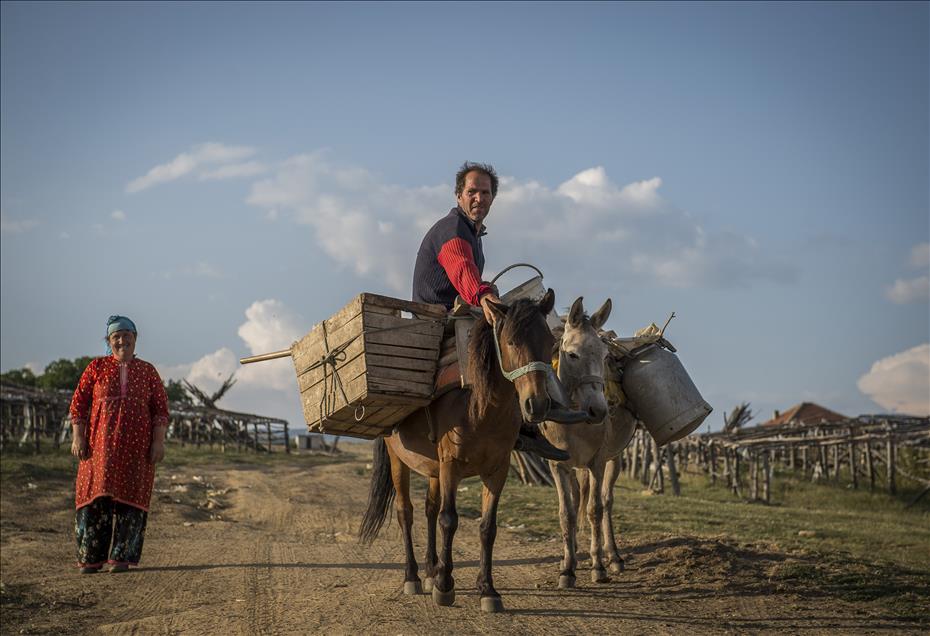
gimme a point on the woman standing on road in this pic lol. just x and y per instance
(119, 414)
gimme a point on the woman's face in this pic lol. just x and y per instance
(123, 344)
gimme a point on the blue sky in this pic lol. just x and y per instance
(230, 174)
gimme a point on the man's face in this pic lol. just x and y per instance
(476, 198)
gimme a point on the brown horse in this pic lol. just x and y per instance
(477, 430)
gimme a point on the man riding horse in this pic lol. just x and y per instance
(450, 262)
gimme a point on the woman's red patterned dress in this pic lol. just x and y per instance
(120, 403)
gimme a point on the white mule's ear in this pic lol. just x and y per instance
(576, 313)
(600, 316)
(547, 302)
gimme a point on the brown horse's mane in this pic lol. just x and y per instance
(482, 359)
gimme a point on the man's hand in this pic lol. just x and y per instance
(79, 446)
(485, 302)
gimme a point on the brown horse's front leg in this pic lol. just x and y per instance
(400, 474)
(432, 514)
(443, 583)
(490, 497)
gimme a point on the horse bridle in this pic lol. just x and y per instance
(575, 384)
(536, 365)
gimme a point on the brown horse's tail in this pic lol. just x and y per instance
(380, 494)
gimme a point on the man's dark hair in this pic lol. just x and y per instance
(470, 166)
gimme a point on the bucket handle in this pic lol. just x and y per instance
(510, 267)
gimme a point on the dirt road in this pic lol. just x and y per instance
(272, 550)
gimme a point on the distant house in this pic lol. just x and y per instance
(805, 413)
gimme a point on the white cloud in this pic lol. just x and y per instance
(362, 223)
(235, 170)
(188, 162)
(15, 226)
(118, 215)
(586, 223)
(266, 388)
(909, 291)
(920, 255)
(901, 383)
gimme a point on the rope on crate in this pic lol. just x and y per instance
(331, 379)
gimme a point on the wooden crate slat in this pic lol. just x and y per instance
(421, 309)
(400, 386)
(414, 340)
(376, 373)
(400, 352)
(389, 364)
(395, 324)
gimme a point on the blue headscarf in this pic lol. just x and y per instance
(118, 323)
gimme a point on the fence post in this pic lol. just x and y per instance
(766, 474)
(736, 485)
(672, 471)
(852, 460)
(869, 466)
(890, 450)
(287, 440)
(713, 463)
(646, 464)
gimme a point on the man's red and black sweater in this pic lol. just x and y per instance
(450, 262)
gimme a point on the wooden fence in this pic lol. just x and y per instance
(865, 452)
(29, 415)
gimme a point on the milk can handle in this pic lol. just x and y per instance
(510, 267)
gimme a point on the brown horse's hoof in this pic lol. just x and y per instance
(616, 567)
(412, 587)
(428, 585)
(492, 604)
(566, 582)
(443, 599)
(599, 575)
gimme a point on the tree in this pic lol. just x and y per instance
(63, 373)
(738, 417)
(177, 394)
(210, 400)
(23, 377)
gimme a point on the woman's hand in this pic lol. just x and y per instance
(157, 451)
(79, 446)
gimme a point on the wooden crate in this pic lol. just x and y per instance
(386, 365)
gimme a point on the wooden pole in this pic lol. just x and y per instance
(852, 461)
(869, 465)
(766, 474)
(644, 477)
(287, 440)
(889, 462)
(713, 463)
(660, 476)
(727, 468)
(268, 430)
(672, 470)
(634, 455)
(736, 484)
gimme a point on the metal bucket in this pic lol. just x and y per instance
(663, 395)
(534, 290)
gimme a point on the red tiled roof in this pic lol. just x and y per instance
(805, 413)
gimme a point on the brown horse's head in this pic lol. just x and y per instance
(524, 337)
